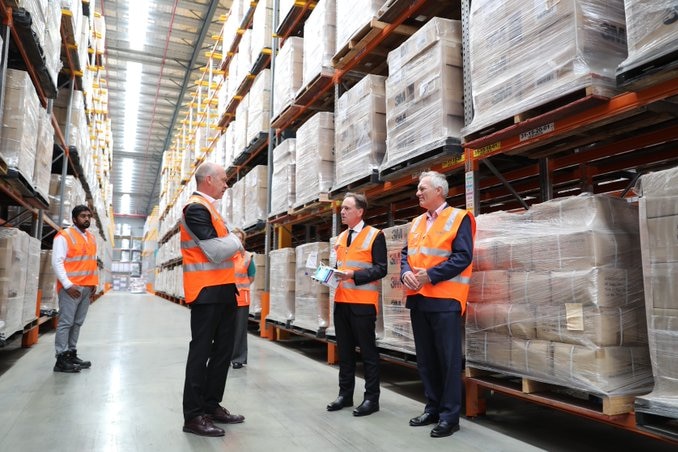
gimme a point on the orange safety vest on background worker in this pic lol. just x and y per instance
(242, 281)
(428, 249)
(356, 257)
(81, 258)
(199, 271)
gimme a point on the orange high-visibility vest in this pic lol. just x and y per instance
(81, 258)
(356, 257)
(242, 281)
(428, 249)
(199, 271)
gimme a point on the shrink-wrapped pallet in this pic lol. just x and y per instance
(52, 45)
(282, 279)
(312, 303)
(20, 121)
(256, 195)
(315, 158)
(259, 106)
(547, 291)
(360, 130)
(226, 207)
(332, 262)
(258, 285)
(13, 266)
(319, 50)
(32, 280)
(78, 133)
(651, 29)
(243, 59)
(283, 187)
(424, 92)
(288, 74)
(229, 146)
(527, 54)
(262, 23)
(352, 16)
(48, 302)
(74, 194)
(240, 127)
(238, 204)
(43, 155)
(658, 225)
(397, 333)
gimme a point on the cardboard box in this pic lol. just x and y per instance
(283, 276)
(531, 287)
(650, 33)
(489, 286)
(488, 350)
(661, 285)
(532, 358)
(662, 233)
(599, 286)
(315, 158)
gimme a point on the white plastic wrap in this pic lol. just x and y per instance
(526, 54)
(651, 29)
(397, 325)
(352, 15)
(556, 296)
(315, 158)
(52, 45)
(20, 123)
(283, 187)
(32, 280)
(43, 154)
(319, 50)
(240, 127)
(282, 280)
(226, 205)
(37, 12)
(262, 23)
(332, 262)
(74, 194)
(285, 6)
(13, 266)
(312, 304)
(360, 130)
(259, 111)
(658, 226)
(243, 59)
(238, 204)
(288, 74)
(256, 195)
(424, 91)
(257, 288)
(49, 301)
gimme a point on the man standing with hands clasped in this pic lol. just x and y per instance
(436, 270)
(207, 249)
(361, 261)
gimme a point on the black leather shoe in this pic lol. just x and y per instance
(443, 429)
(424, 419)
(73, 357)
(366, 408)
(201, 425)
(222, 415)
(64, 364)
(237, 365)
(341, 402)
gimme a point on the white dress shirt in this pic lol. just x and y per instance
(59, 251)
(356, 230)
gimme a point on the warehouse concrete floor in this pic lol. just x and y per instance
(131, 398)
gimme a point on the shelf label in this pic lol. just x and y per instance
(538, 131)
(312, 260)
(453, 161)
(487, 149)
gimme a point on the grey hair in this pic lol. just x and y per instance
(359, 198)
(204, 170)
(437, 181)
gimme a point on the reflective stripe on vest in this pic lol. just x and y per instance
(199, 271)
(426, 249)
(356, 257)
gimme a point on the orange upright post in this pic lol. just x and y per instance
(266, 332)
(332, 356)
(30, 337)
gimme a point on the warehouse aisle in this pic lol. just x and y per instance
(131, 398)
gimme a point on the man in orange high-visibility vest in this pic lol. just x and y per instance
(74, 259)
(362, 262)
(207, 250)
(436, 270)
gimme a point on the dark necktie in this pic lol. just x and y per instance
(350, 237)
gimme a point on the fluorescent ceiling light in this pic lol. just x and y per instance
(132, 92)
(138, 23)
(127, 169)
(125, 204)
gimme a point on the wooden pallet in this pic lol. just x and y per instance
(665, 426)
(22, 187)
(393, 9)
(314, 88)
(544, 393)
(539, 119)
(360, 184)
(426, 155)
(649, 73)
(374, 61)
(323, 198)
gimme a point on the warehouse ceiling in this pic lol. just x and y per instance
(154, 52)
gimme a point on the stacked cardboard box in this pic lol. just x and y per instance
(47, 281)
(315, 158)
(43, 154)
(526, 54)
(257, 288)
(256, 195)
(259, 106)
(424, 91)
(651, 30)
(319, 50)
(288, 74)
(556, 296)
(20, 123)
(74, 194)
(397, 325)
(32, 280)
(659, 239)
(360, 130)
(78, 133)
(312, 303)
(352, 16)
(238, 204)
(13, 268)
(283, 189)
(283, 276)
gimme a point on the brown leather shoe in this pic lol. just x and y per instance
(203, 426)
(222, 415)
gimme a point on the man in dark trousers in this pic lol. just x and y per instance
(436, 270)
(207, 249)
(361, 261)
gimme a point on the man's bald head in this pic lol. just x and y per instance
(204, 170)
(210, 178)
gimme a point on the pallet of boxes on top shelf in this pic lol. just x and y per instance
(651, 30)
(260, 44)
(529, 58)
(318, 51)
(259, 113)
(255, 197)
(424, 99)
(288, 79)
(283, 186)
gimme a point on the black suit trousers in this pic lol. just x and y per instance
(354, 325)
(209, 356)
